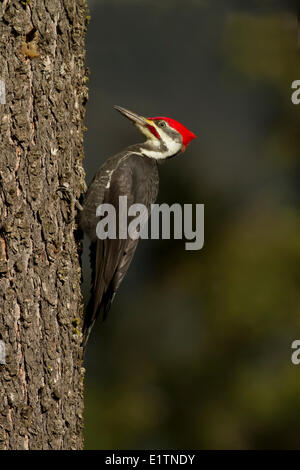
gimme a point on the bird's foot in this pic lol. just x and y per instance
(72, 198)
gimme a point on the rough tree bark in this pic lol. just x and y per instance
(42, 63)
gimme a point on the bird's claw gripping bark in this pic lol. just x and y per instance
(72, 198)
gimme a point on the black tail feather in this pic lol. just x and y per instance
(89, 311)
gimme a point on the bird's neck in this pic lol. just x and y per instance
(157, 150)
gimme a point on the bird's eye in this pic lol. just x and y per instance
(162, 123)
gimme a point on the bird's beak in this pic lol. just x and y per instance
(135, 118)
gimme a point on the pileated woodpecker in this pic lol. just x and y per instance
(132, 173)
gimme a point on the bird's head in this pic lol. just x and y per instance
(165, 137)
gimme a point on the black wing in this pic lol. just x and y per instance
(136, 177)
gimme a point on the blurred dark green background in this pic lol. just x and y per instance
(196, 352)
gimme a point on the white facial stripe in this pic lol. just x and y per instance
(173, 147)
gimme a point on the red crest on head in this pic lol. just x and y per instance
(187, 135)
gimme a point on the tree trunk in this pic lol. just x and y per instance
(42, 64)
